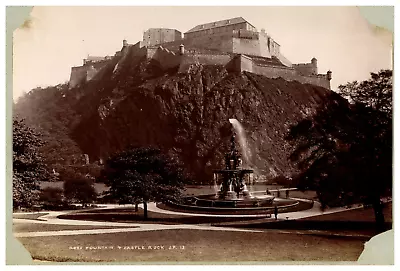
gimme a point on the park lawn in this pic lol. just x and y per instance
(360, 214)
(355, 221)
(27, 227)
(129, 215)
(198, 246)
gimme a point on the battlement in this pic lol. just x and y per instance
(95, 59)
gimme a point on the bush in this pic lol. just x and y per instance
(51, 196)
(80, 190)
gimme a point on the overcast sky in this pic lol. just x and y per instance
(58, 38)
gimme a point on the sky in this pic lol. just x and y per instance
(58, 38)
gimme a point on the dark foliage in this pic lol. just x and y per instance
(51, 111)
(143, 175)
(52, 196)
(345, 150)
(79, 189)
(28, 166)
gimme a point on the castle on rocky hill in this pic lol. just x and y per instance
(233, 43)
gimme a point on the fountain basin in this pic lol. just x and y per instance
(207, 205)
(261, 202)
(214, 201)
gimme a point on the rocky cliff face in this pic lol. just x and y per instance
(186, 114)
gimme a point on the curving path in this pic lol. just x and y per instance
(51, 217)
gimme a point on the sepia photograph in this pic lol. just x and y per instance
(200, 135)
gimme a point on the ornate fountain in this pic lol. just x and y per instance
(230, 185)
(233, 178)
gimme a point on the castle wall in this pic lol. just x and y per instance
(138, 45)
(86, 72)
(274, 47)
(226, 43)
(306, 68)
(244, 63)
(187, 60)
(133, 52)
(268, 44)
(233, 41)
(212, 59)
(274, 72)
(263, 43)
(221, 30)
(291, 75)
(78, 76)
(245, 46)
(318, 80)
(91, 72)
(217, 42)
(284, 60)
(94, 69)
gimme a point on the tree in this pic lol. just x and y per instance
(28, 166)
(52, 196)
(80, 189)
(375, 92)
(142, 175)
(345, 150)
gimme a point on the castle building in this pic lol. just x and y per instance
(154, 36)
(220, 28)
(234, 43)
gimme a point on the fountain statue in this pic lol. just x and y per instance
(233, 178)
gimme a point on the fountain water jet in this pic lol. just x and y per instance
(215, 187)
(246, 152)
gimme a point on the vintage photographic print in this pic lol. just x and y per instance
(201, 134)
